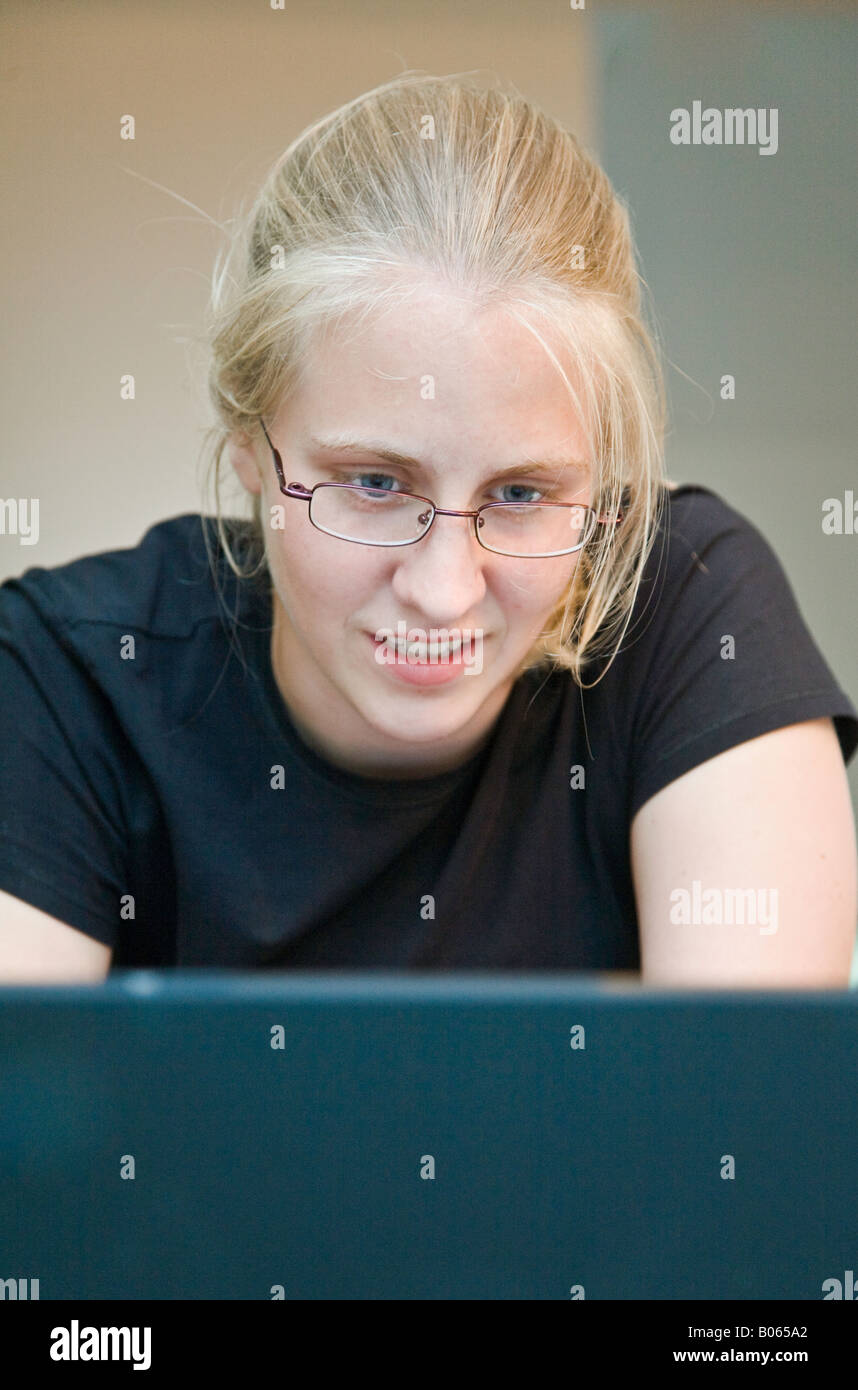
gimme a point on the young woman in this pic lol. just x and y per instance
(476, 686)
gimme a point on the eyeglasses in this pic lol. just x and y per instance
(375, 516)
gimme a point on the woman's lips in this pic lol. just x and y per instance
(422, 663)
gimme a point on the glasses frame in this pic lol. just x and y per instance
(303, 494)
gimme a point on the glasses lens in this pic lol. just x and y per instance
(373, 516)
(535, 529)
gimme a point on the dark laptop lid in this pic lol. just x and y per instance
(198, 1134)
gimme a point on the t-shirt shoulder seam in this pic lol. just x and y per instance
(69, 623)
(783, 701)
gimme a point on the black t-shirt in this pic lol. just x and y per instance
(141, 800)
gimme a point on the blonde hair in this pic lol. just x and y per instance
(439, 177)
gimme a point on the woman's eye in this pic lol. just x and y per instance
(374, 482)
(521, 488)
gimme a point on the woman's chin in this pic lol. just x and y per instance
(407, 719)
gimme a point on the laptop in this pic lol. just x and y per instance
(199, 1134)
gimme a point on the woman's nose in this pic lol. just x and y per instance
(442, 574)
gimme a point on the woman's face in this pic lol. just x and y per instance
(465, 398)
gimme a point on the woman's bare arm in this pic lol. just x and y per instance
(36, 948)
(773, 816)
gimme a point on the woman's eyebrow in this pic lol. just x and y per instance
(375, 447)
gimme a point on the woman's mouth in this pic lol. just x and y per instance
(448, 649)
(429, 661)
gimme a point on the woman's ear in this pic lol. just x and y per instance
(242, 455)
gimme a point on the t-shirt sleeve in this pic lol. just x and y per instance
(62, 841)
(727, 655)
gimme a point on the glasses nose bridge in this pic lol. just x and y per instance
(449, 511)
(472, 516)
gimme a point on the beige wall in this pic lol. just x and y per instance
(106, 273)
